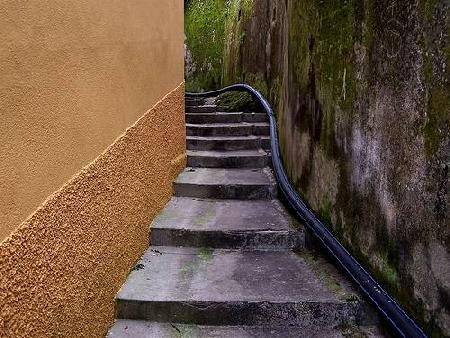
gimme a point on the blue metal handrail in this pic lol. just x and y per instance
(387, 306)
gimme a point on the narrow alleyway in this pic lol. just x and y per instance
(227, 259)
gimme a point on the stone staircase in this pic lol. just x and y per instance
(226, 258)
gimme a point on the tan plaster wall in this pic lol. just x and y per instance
(60, 270)
(73, 76)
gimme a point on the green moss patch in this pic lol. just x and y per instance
(205, 36)
(237, 101)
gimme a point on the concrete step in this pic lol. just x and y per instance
(218, 117)
(194, 101)
(257, 158)
(228, 224)
(265, 142)
(224, 142)
(204, 109)
(255, 117)
(245, 184)
(225, 117)
(261, 128)
(126, 328)
(228, 129)
(230, 287)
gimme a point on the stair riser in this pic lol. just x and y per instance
(228, 131)
(189, 105)
(219, 131)
(125, 328)
(204, 109)
(228, 162)
(194, 102)
(253, 118)
(206, 144)
(199, 118)
(214, 118)
(245, 192)
(249, 240)
(240, 313)
(265, 143)
(261, 130)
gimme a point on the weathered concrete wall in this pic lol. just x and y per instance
(60, 270)
(362, 95)
(74, 75)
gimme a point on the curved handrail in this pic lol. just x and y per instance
(389, 309)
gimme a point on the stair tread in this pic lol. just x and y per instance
(225, 113)
(126, 328)
(232, 125)
(227, 153)
(224, 215)
(203, 108)
(217, 113)
(174, 274)
(219, 176)
(227, 143)
(226, 138)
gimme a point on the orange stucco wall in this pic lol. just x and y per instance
(74, 75)
(92, 135)
(60, 270)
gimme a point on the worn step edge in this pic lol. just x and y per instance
(199, 291)
(226, 183)
(192, 100)
(225, 191)
(265, 142)
(235, 216)
(128, 328)
(228, 129)
(217, 117)
(224, 143)
(255, 117)
(224, 159)
(229, 239)
(204, 109)
(300, 313)
(225, 117)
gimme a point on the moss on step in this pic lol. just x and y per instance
(237, 101)
(352, 331)
(329, 275)
(205, 254)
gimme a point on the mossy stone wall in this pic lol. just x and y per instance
(361, 92)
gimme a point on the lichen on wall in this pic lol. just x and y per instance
(60, 270)
(361, 93)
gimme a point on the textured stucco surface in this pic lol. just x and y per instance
(74, 75)
(60, 270)
(361, 92)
